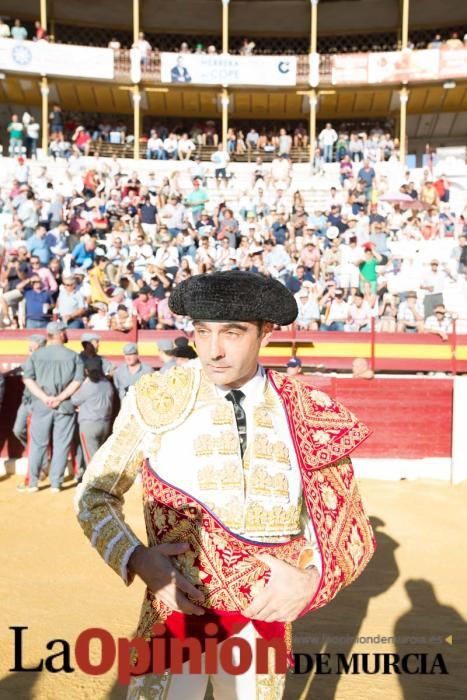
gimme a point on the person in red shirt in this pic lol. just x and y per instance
(146, 308)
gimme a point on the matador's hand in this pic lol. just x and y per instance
(287, 593)
(154, 566)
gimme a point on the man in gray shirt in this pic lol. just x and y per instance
(131, 371)
(52, 374)
(94, 402)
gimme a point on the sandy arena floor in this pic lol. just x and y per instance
(55, 584)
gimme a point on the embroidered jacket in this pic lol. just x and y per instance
(220, 563)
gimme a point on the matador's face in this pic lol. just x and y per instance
(229, 351)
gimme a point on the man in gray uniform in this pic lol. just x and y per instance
(131, 371)
(52, 374)
(90, 342)
(36, 341)
(94, 402)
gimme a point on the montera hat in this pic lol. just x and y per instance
(234, 296)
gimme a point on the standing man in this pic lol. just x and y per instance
(252, 510)
(128, 374)
(52, 374)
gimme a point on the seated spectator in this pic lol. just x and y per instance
(359, 314)
(337, 313)
(71, 306)
(39, 304)
(186, 147)
(121, 320)
(145, 307)
(410, 315)
(166, 319)
(155, 147)
(439, 323)
(308, 317)
(100, 320)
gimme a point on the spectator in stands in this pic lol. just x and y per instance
(439, 323)
(71, 306)
(428, 193)
(285, 143)
(144, 47)
(308, 309)
(220, 158)
(359, 319)
(327, 138)
(410, 315)
(81, 141)
(40, 32)
(155, 147)
(366, 175)
(436, 42)
(39, 245)
(454, 42)
(121, 319)
(368, 266)
(300, 136)
(15, 131)
(4, 30)
(196, 201)
(18, 32)
(56, 123)
(145, 307)
(185, 148)
(114, 44)
(38, 304)
(337, 312)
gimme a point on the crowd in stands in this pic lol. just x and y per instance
(101, 249)
(444, 39)
(179, 142)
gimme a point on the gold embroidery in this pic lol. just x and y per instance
(280, 486)
(273, 520)
(281, 452)
(262, 448)
(204, 445)
(230, 476)
(207, 478)
(261, 417)
(228, 443)
(162, 399)
(223, 413)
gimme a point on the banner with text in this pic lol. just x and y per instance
(398, 66)
(44, 58)
(225, 69)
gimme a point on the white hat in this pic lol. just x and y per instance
(332, 233)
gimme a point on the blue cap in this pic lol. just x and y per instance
(89, 337)
(55, 327)
(130, 349)
(38, 339)
(294, 362)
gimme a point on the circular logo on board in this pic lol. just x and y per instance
(21, 54)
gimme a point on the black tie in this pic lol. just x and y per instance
(235, 397)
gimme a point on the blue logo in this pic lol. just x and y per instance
(21, 54)
(284, 67)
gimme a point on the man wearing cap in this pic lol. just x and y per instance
(163, 346)
(294, 367)
(52, 374)
(253, 514)
(90, 342)
(133, 369)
